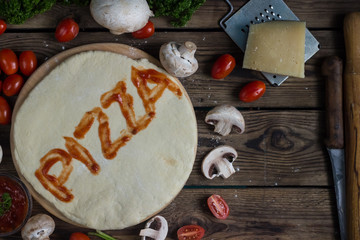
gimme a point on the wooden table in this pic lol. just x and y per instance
(284, 188)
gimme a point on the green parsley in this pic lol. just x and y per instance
(180, 11)
(5, 203)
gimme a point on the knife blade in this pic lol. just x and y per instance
(332, 69)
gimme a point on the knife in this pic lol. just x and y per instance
(332, 69)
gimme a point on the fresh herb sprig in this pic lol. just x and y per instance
(5, 203)
(101, 234)
(180, 11)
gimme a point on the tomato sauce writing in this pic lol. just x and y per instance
(140, 78)
(13, 217)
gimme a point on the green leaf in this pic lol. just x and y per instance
(5, 203)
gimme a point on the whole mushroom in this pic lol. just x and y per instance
(220, 159)
(121, 16)
(179, 59)
(38, 227)
(156, 228)
(226, 118)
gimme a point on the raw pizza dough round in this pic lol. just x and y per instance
(146, 174)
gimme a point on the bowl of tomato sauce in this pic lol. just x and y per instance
(15, 204)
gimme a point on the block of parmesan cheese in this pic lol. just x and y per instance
(276, 47)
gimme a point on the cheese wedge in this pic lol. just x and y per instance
(276, 47)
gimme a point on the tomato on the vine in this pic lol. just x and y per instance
(252, 91)
(2, 26)
(66, 30)
(190, 232)
(78, 236)
(147, 31)
(218, 206)
(5, 111)
(27, 62)
(12, 85)
(223, 66)
(8, 61)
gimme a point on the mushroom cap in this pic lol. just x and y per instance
(159, 230)
(221, 160)
(121, 16)
(179, 59)
(38, 227)
(226, 118)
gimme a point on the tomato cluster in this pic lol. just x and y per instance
(14, 69)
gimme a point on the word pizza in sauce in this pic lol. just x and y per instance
(113, 140)
(139, 78)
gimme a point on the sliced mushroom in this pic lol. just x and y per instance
(178, 59)
(39, 227)
(156, 228)
(219, 162)
(226, 118)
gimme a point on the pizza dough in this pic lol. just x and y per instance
(147, 171)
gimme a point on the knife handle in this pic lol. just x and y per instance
(332, 69)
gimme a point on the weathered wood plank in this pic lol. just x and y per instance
(318, 14)
(255, 213)
(203, 90)
(278, 148)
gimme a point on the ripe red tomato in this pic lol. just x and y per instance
(12, 85)
(5, 111)
(147, 31)
(8, 61)
(252, 91)
(193, 232)
(66, 30)
(2, 26)
(223, 66)
(27, 62)
(78, 236)
(218, 206)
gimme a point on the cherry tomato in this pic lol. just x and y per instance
(218, 206)
(145, 32)
(78, 236)
(66, 30)
(8, 61)
(12, 85)
(5, 111)
(252, 91)
(2, 26)
(27, 62)
(223, 66)
(193, 232)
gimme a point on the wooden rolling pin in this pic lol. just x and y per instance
(352, 122)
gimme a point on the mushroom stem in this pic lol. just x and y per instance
(223, 127)
(187, 50)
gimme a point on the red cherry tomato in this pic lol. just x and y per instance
(78, 236)
(223, 66)
(8, 61)
(2, 26)
(66, 30)
(145, 32)
(252, 91)
(218, 206)
(5, 111)
(193, 232)
(12, 85)
(27, 62)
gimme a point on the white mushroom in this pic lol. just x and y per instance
(226, 118)
(178, 59)
(121, 16)
(39, 227)
(219, 162)
(156, 228)
(1, 153)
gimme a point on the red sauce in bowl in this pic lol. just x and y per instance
(13, 217)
